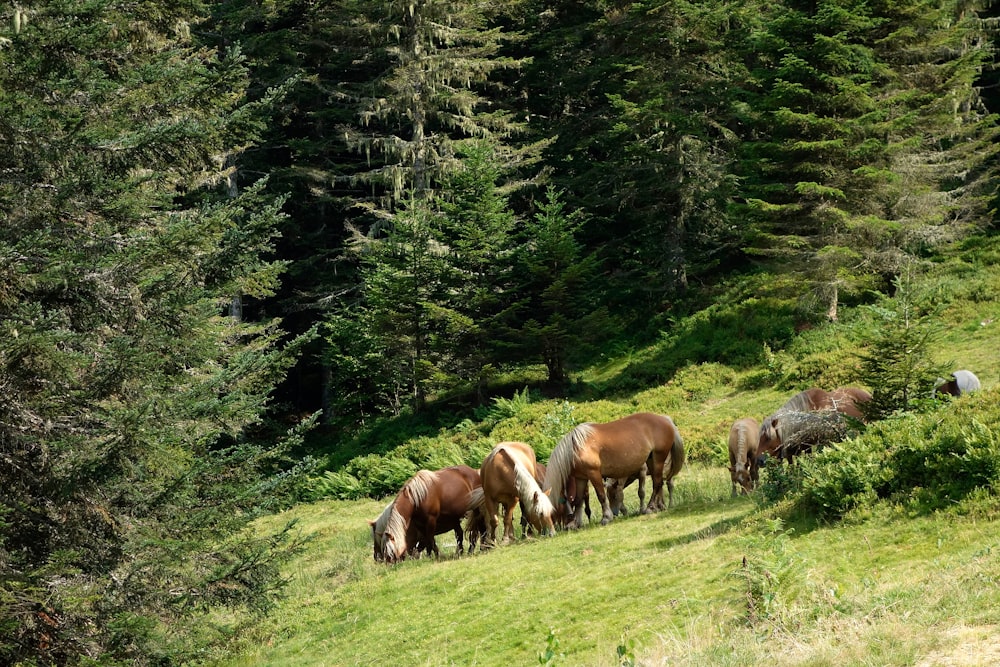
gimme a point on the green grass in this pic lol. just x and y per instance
(713, 581)
(671, 586)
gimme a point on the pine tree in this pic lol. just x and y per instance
(439, 58)
(128, 464)
(897, 362)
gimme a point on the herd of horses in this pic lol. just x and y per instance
(607, 456)
(809, 420)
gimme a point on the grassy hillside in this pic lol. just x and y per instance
(901, 579)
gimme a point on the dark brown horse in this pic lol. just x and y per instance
(509, 478)
(430, 503)
(744, 437)
(617, 449)
(846, 401)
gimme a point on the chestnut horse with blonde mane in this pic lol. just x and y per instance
(744, 437)
(617, 449)
(430, 503)
(509, 477)
(844, 400)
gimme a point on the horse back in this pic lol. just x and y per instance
(744, 436)
(620, 447)
(847, 401)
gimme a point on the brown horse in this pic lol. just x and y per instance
(509, 477)
(430, 503)
(744, 436)
(846, 401)
(591, 452)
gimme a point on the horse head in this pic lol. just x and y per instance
(392, 550)
(542, 514)
(770, 440)
(741, 476)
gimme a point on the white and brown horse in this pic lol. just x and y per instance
(617, 449)
(744, 436)
(510, 477)
(430, 503)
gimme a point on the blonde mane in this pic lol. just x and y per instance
(563, 457)
(800, 402)
(536, 502)
(395, 524)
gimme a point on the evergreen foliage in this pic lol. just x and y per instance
(130, 399)
(897, 363)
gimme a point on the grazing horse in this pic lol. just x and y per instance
(744, 436)
(430, 503)
(846, 401)
(509, 477)
(591, 452)
(961, 382)
(616, 491)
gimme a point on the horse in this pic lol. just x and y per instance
(847, 401)
(744, 437)
(961, 382)
(508, 475)
(430, 503)
(593, 451)
(800, 432)
(616, 490)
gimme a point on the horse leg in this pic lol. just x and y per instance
(429, 533)
(490, 508)
(642, 489)
(656, 499)
(508, 523)
(582, 499)
(602, 495)
(458, 540)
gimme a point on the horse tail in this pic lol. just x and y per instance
(677, 454)
(476, 499)
(563, 457)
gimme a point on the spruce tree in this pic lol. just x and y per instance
(866, 140)
(128, 465)
(561, 311)
(480, 233)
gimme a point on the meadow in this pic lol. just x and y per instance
(900, 575)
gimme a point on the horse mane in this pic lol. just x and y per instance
(800, 402)
(416, 489)
(564, 456)
(379, 524)
(741, 446)
(536, 502)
